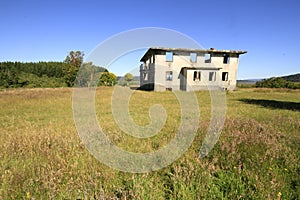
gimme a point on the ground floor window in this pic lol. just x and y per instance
(197, 76)
(212, 76)
(224, 76)
(145, 76)
(169, 75)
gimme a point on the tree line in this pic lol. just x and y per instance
(48, 74)
(41, 74)
(292, 78)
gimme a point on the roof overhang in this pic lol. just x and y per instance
(202, 68)
(152, 50)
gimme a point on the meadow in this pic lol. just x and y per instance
(256, 157)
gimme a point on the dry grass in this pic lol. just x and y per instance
(42, 157)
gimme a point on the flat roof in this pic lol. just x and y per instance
(188, 50)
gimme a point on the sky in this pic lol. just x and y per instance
(269, 30)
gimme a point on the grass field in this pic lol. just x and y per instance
(257, 156)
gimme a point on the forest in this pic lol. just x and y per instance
(278, 82)
(292, 78)
(46, 74)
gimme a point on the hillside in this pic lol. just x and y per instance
(292, 78)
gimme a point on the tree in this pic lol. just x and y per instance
(89, 74)
(107, 79)
(72, 62)
(75, 58)
(128, 77)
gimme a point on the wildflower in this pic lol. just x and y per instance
(270, 169)
(279, 194)
(28, 195)
(285, 169)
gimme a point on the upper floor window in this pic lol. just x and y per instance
(226, 59)
(169, 56)
(152, 59)
(193, 57)
(207, 58)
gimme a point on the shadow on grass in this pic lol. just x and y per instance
(295, 106)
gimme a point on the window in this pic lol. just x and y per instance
(224, 76)
(193, 57)
(212, 76)
(207, 57)
(169, 56)
(197, 76)
(169, 75)
(226, 59)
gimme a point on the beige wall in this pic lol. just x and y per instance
(180, 61)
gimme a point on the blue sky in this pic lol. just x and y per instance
(48, 30)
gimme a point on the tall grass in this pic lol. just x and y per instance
(42, 157)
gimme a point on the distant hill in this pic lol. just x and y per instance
(135, 78)
(249, 80)
(135, 81)
(292, 78)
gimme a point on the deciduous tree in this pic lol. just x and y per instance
(107, 79)
(72, 62)
(128, 77)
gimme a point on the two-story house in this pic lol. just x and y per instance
(188, 69)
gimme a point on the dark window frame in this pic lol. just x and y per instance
(169, 75)
(226, 59)
(225, 76)
(212, 76)
(197, 76)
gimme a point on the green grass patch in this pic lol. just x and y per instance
(256, 157)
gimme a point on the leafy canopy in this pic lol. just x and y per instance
(107, 79)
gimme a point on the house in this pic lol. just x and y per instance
(188, 69)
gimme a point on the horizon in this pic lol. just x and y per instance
(135, 75)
